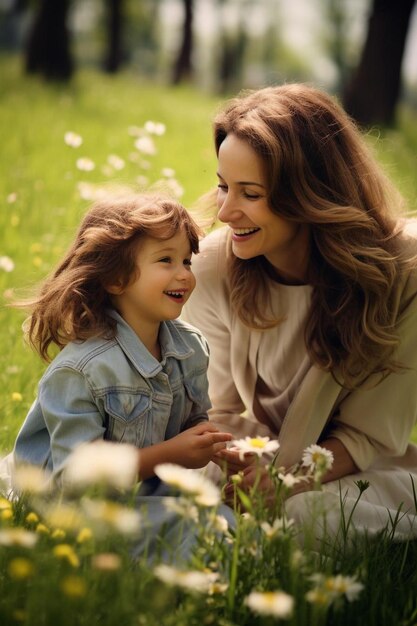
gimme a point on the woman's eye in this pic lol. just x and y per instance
(222, 187)
(251, 196)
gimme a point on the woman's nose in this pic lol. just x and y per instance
(227, 208)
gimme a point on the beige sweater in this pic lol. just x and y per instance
(373, 423)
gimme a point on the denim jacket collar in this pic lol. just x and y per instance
(170, 339)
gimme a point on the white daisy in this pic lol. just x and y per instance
(276, 603)
(192, 580)
(203, 491)
(115, 161)
(105, 462)
(18, 537)
(254, 445)
(145, 145)
(6, 264)
(84, 164)
(278, 526)
(154, 128)
(317, 459)
(72, 139)
(182, 507)
(289, 480)
(108, 515)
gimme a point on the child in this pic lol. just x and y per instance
(128, 369)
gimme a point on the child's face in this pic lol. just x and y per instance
(164, 283)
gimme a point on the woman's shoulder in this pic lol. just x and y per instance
(213, 251)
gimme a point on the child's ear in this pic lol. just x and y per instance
(114, 290)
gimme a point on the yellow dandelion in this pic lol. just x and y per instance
(84, 535)
(58, 533)
(19, 615)
(64, 516)
(35, 248)
(20, 568)
(42, 529)
(37, 261)
(6, 514)
(66, 552)
(16, 396)
(5, 504)
(74, 587)
(32, 518)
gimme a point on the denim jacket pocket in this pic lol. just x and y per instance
(196, 395)
(128, 415)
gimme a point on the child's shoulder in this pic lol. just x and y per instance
(77, 354)
(191, 335)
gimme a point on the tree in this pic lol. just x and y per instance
(373, 91)
(114, 56)
(48, 44)
(183, 65)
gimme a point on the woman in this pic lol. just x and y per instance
(307, 298)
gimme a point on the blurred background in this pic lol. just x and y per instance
(364, 50)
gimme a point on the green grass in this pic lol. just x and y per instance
(37, 225)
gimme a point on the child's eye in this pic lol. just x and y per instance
(165, 259)
(187, 262)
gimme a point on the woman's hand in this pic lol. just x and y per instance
(230, 462)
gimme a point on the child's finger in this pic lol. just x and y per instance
(218, 446)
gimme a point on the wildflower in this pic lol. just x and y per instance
(112, 464)
(278, 526)
(85, 534)
(17, 537)
(112, 515)
(203, 491)
(182, 507)
(168, 172)
(6, 264)
(73, 586)
(42, 529)
(332, 588)
(192, 580)
(31, 479)
(35, 247)
(86, 191)
(145, 145)
(276, 603)
(5, 504)
(289, 480)
(345, 585)
(72, 139)
(115, 161)
(66, 552)
(12, 197)
(254, 445)
(6, 514)
(154, 128)
(85, 164)
(32, 518)
(16, 396)
(220, 524)
(106, 562)
(37, 261)
(318, 460)
(20, 568)
(64, 516)
(58, 534)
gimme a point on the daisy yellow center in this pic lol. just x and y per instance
(269, 598)
(316, 456)
(257, 443)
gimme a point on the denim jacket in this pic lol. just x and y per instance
(116, 390)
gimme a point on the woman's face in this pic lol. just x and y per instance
(243, 205)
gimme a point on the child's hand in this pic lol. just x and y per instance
(197, 445)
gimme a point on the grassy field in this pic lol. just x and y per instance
(43, 194)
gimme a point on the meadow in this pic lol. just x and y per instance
(61, 146)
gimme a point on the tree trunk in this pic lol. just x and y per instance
(114, 56)
(372, 93)
(48, 45)
(183, 65)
